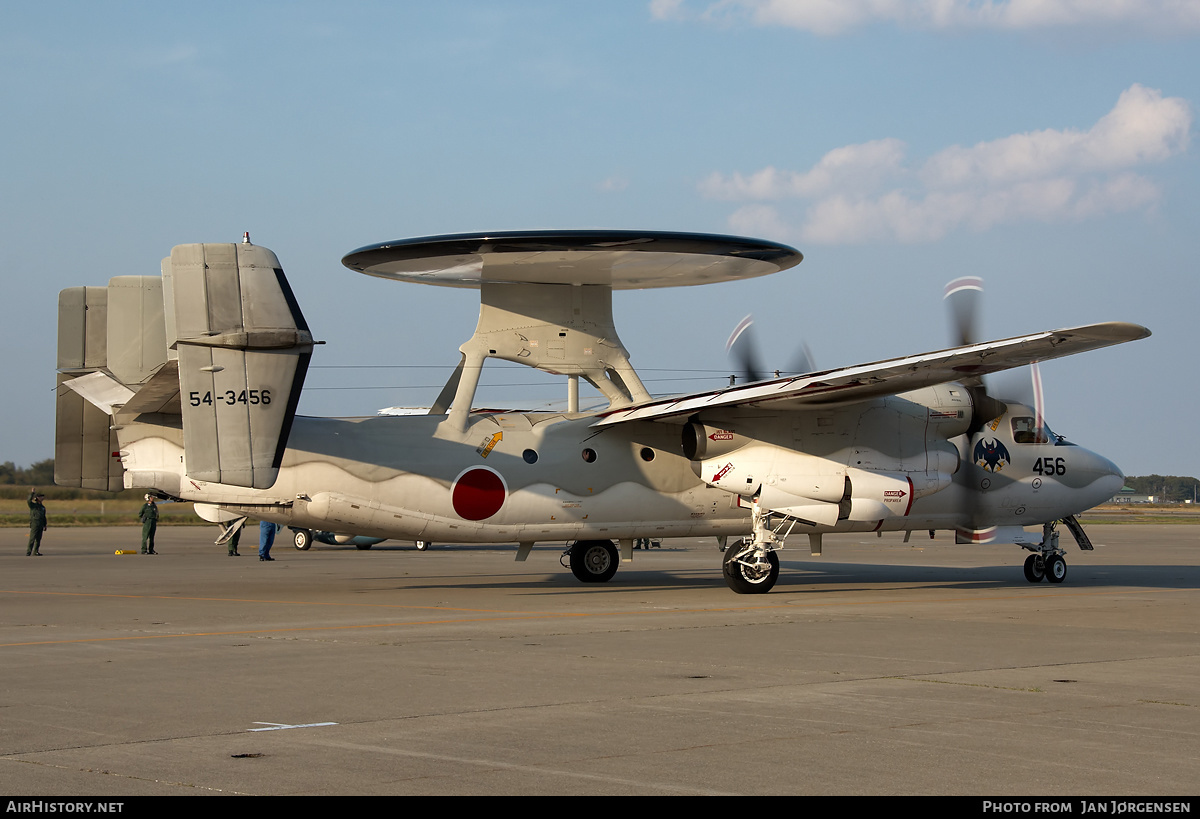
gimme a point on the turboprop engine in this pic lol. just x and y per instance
(823, 490)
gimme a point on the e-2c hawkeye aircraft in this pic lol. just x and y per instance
(186, 385)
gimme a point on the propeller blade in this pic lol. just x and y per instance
(742, 349)
(1020, 392)
(1019, 387)
(1039, 400)
(802, 361)
(962, 297)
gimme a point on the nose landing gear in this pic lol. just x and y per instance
(1047, 560)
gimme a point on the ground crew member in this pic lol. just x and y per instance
(149, 518)
(233, 542)
(266, 537)
(37, 523)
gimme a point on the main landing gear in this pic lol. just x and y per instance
(592, 561)
(303, 539)
(751, 566)
(749, 570)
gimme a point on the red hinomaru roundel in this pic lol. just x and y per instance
(478, 493)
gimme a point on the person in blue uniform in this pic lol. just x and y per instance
(266, 537)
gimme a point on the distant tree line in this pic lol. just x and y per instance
(1165, 488)
(16, 481)
(40, 473)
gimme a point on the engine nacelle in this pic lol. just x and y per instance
(817, 490)
(879, 495)
(758, 466)
(702, 441)
(949, 408)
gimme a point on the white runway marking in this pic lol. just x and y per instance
(280, 726)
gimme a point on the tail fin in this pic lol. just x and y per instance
(243, 348)
(84, 442)
(198, 373)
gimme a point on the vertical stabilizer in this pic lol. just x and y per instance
(243, 349)
(137, 345)
(84, 441)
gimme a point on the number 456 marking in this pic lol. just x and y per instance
(1050, 466)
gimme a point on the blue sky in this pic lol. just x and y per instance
(1046, 145)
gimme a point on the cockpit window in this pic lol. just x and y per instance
(1026, 431)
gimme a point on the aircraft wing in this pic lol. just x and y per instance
(865, 381)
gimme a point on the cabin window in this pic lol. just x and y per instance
(647, 454)
(530, 456)
(589, 455)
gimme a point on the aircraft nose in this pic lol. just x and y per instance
(1102, 477)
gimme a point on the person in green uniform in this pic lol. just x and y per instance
(233, 542)
(37, 523)
(149, 518)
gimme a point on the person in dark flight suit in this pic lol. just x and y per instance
(149, 518)
(37, 523)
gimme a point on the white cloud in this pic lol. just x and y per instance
(831, 17)
(667, 9)
(864, 192)
(1127, 191)
(1142, 127)
(854, 167)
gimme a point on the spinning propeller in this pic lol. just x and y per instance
(962, 298)
(744, 351)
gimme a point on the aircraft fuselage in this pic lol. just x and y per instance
(895, 463)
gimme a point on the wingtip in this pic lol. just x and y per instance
(1116, 331)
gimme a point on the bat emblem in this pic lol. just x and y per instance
(991, 455)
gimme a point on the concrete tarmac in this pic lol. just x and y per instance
(880, 668)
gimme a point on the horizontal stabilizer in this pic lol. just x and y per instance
(159, 394)
(101, 390)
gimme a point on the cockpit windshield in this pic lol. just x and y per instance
(1026, 431)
